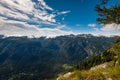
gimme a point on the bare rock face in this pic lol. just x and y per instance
(104, 65)
(65, 76)
(109, 79)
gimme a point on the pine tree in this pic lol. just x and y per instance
(108, 15)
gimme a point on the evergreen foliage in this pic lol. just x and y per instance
(112, 54)
(82, 71)
(23, 58)
(108, 15)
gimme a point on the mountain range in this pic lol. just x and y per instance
(23, 58)
(105, 66)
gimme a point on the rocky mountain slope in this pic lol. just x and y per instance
(104, 67)
(23, 58)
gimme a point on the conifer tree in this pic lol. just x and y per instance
(108, 15)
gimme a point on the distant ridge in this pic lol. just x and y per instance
(69, 35)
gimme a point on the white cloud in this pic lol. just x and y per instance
(63, 12)
(24, 29)
(61, 26)
(22, 18)
(111, 27)
(92, 25)
(45, 5)
(107, 30)
(26, 10)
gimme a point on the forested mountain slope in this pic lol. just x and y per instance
(105, 66)
(23, 58)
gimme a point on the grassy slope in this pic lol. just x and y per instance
(111, 73)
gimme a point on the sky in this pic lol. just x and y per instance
(52, 18)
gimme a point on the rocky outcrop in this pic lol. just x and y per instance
(104, 65)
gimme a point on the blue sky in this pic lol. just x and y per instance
(52, 18)
(82, 14)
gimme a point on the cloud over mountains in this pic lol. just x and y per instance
(25, 18)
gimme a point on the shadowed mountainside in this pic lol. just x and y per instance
(23, 58)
